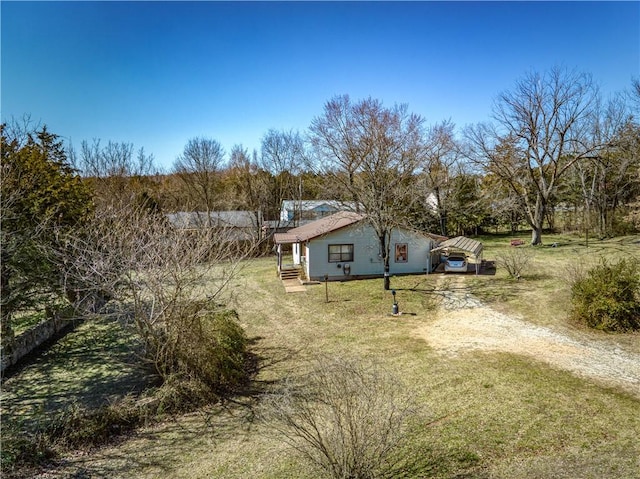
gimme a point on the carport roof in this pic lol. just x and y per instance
(462, 244)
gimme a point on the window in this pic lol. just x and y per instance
(339, 253)
(402, 250)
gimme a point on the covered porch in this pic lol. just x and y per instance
(288, 269)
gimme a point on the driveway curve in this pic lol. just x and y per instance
(464, 324)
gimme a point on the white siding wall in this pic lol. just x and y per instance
(296, 253)
(366, 253)
(418, 251)
(306, 265)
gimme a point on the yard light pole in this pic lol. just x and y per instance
(394, 308)
(326, 287)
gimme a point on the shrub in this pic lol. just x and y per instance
(514, 260)
(347, 418)
(77, 427)
(608, 296)
(212, 348)
(27, 446)
(197, 343)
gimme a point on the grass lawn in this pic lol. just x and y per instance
(483, 415)
(88, 367)
(26, 320)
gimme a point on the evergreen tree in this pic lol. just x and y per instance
(42, 196)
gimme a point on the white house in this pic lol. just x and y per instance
(344, 246)
(301, 211)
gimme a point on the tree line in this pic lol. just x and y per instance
(553, 148)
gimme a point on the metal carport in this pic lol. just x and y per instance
(468, 246)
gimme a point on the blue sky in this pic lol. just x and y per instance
(159, 73)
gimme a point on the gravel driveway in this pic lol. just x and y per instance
(465, 324)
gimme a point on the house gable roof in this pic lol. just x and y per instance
(317, 228)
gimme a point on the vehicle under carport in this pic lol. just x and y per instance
(461, 245)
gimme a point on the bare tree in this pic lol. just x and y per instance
(634, 95)
(371, 153)
(346, 417)
(170, 280)
(335, 138)
(111, 160)
(244, 173)
(283, 155)
(440, 156)
(112, 168)
(198, 168)
(608, 178)
(544, 123)
(115, 159)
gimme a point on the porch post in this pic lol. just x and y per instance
(279, 252)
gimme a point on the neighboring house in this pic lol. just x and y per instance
(245, 225)
(344, 246)
(299, 212)
(432, 202)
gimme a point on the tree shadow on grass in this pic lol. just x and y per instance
(420, 286)
(89, 367)
(155, 449)
(536, 276)
(260, 359)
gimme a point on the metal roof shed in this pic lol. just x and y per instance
(461, 244)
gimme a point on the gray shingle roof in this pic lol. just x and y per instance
(318, 228)
(198, 219)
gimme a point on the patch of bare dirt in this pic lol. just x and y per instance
(464, 324)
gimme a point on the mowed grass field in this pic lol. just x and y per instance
(481, 415)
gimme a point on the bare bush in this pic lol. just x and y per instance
(348, 418)
(576, 271)
(515, 260)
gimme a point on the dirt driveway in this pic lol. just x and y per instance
(465, 324)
